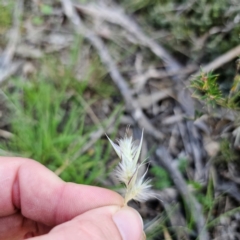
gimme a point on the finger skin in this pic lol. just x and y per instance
(29, 187)
(96, 224)
(16, 227)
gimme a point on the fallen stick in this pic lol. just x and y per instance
(221, 60)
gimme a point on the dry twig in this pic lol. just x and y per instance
(146, 101)
(141, 79)
(221, 60)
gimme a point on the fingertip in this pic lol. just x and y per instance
(104, 223)
(129, 223)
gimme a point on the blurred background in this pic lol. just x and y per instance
(71, 71)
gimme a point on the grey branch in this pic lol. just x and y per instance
(223, 59)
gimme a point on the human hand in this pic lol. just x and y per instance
(34, 202)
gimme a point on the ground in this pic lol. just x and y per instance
(169, 67)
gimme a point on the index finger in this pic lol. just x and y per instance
(40, 195)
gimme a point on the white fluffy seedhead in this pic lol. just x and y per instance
(128, 168)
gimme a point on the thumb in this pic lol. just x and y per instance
(105, 223)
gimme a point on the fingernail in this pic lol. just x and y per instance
(129, 223)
